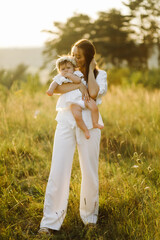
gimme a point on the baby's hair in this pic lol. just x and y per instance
(64, 59)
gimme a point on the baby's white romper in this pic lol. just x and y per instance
(68, 98)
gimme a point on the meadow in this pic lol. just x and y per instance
(129, 168)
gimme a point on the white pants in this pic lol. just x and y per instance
(57, 191)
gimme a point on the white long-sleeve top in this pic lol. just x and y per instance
(64, 115)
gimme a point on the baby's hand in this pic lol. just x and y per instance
(49, 92)
(66, 75)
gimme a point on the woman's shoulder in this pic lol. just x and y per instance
(101, 74)
(100, 71)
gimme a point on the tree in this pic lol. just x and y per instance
(146, 21)
(117, 37)
(75, 28)
(112, 37)
(147, 16)
(9, 77)
(110, 33)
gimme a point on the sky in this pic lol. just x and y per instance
(22, 21)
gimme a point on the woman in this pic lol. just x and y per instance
(67, 135)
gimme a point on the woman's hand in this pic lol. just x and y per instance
(93, 87)
(84, 91)
(92, 64)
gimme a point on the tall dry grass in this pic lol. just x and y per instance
(129, 169)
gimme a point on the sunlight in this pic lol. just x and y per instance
(21, 22)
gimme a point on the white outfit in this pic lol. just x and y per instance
(68, 98)
(67, 135)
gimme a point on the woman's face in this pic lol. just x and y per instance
(79, 57)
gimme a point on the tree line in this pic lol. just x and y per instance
(118, 38)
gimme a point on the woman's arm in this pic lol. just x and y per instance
(93, 87)
(67, 87)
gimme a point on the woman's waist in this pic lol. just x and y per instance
(66, 116)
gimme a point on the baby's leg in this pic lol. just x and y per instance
(77, 113)
(91, 105)
(51, 88)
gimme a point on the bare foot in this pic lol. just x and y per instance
(44, 231)
(87, 135)
(96, 125)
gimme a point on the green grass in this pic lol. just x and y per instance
(129, 169)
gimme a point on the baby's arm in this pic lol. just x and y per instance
(57, 80)
(51, 88)
(74, 78)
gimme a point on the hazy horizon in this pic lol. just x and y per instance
(12, 57)
(22, 47)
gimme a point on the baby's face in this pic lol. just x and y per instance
(66, 68)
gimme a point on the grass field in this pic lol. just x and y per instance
(129, 169)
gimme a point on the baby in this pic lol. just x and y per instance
(66, 68)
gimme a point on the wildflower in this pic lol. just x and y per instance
(149, 169)
(119, 155)
(135, 166)
(36, 113)
(139, 161)
(135, 154)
